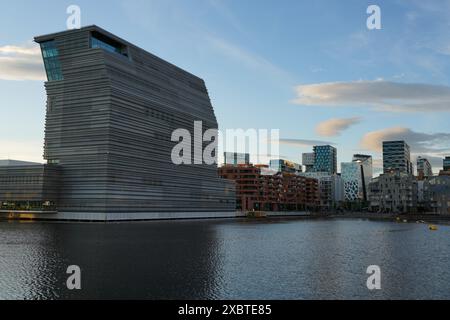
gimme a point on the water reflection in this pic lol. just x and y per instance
(225, 259)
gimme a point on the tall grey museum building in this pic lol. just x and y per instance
(111, 111)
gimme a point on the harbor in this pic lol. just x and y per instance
(245, 258)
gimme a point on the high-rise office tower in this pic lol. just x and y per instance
(111, 110)
(352, 180)
(357, 176)
(366, 163)
(396, 157)
(446, 164)
(424, 168)
(325, 159)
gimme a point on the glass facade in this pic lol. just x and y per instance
(446, 164)
(325, 159)
(51, 61)
(100, 41)
(396, 156)
(424, 168)
(280, 165)
(351, 175)
(233, 158)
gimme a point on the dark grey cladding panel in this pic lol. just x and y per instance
(109, 124)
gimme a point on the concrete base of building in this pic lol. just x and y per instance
(116, 216)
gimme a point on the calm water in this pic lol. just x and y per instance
(225, 259)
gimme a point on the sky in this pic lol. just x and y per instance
(311, 69)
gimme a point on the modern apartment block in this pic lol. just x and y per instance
(437, 194)
(235, 158)
(111, 111)
(331, 192)
(260, 189)
(424, 168)
(394, 192)
(397, 157)
(325, 159)
(308, 161)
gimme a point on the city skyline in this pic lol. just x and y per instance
(355, 88)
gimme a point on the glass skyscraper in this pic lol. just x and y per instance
(325, 159)
(446, 164)
(356, 176)
(396, 157)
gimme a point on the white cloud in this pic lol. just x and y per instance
(334, 127)
(21, 62)
(379, 95)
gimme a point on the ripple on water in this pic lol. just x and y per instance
(225, 259)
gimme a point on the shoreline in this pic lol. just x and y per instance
(270, 216)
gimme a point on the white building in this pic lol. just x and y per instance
(356, 176)
(351, 176)
(331, 189)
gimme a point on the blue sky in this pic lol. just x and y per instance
(309, 68)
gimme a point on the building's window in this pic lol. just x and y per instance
(51, 61)
(100, 41)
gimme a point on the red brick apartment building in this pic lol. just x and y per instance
(277, 192)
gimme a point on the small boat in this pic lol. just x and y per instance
(432, 227)
(404, 220)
